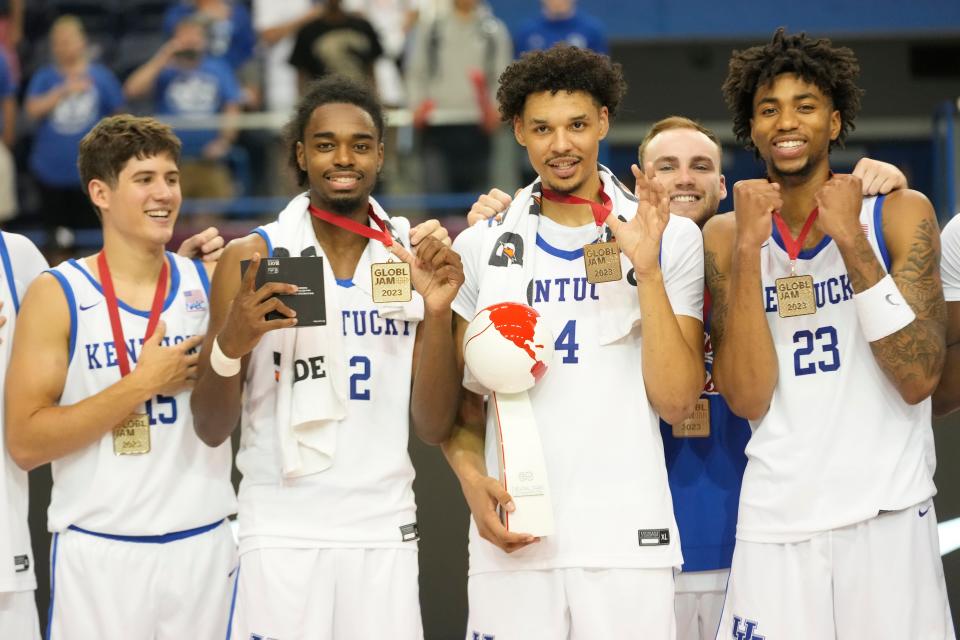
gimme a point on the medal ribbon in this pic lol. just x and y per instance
(354, 226)
(794, 245)
(600, 211)
(113, 310)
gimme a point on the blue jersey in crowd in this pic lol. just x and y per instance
(53, 158)
(579, 30)
(202, 91)
(231, 40)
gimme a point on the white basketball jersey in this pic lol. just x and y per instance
(600, 436)
(365, 498)
(838, 444)
(181, 483)
(20, 263)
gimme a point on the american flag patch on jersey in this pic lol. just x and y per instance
(866, 229)
(195, 300)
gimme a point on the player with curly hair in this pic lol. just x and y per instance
(630, 348)
(824, 298)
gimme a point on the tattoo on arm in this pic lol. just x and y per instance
(864, 270)
(717, 283)
(917, 351)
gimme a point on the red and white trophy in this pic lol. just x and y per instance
(508, 349)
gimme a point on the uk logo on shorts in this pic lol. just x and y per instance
(195, 300)
(483, 636)
(745, 629)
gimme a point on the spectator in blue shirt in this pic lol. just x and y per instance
(66, 99)
(186, 83)
(230, 33)
(559, 21)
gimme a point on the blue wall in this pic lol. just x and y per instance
(721, 19)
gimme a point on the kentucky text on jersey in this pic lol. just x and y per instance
(361, 322)
(832, 290)
(104, 354)
(576, 288)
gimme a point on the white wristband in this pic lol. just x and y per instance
(882, 310)
(224, 366)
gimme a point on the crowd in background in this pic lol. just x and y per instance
(64, 64)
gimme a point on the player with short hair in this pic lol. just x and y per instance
(828, 329)
(140, 547)
(608, 570)
(328, 521)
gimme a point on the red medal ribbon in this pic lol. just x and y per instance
(794, 245)
(600, 211)
(113, 309)
(354, 226)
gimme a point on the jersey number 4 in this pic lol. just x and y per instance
(805, 361)
(567, 341)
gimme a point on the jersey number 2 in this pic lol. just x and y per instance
(363, 363)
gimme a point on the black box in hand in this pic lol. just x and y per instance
(307, 274)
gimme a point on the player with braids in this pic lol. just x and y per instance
(828, 333)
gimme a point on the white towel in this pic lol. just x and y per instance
(512, 283)
(308, 413)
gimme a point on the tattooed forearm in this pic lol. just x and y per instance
(862, 265)
(717, 283)
(913, 357)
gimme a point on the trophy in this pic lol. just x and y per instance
(508, 349)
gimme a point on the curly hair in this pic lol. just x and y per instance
(832, 69)
(560, 68)
(329, 90)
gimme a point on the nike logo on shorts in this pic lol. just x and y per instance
(924, 512)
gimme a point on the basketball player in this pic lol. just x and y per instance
(140, 547)
(607, 572)
(705, 458)
(828, 330)
(327, 517)
(20, 262)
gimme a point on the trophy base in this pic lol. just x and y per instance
(523, 472)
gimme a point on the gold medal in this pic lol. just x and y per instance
(390, 282)
(795, 296)
(697, 425)
(602, 262)
(132, 436)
